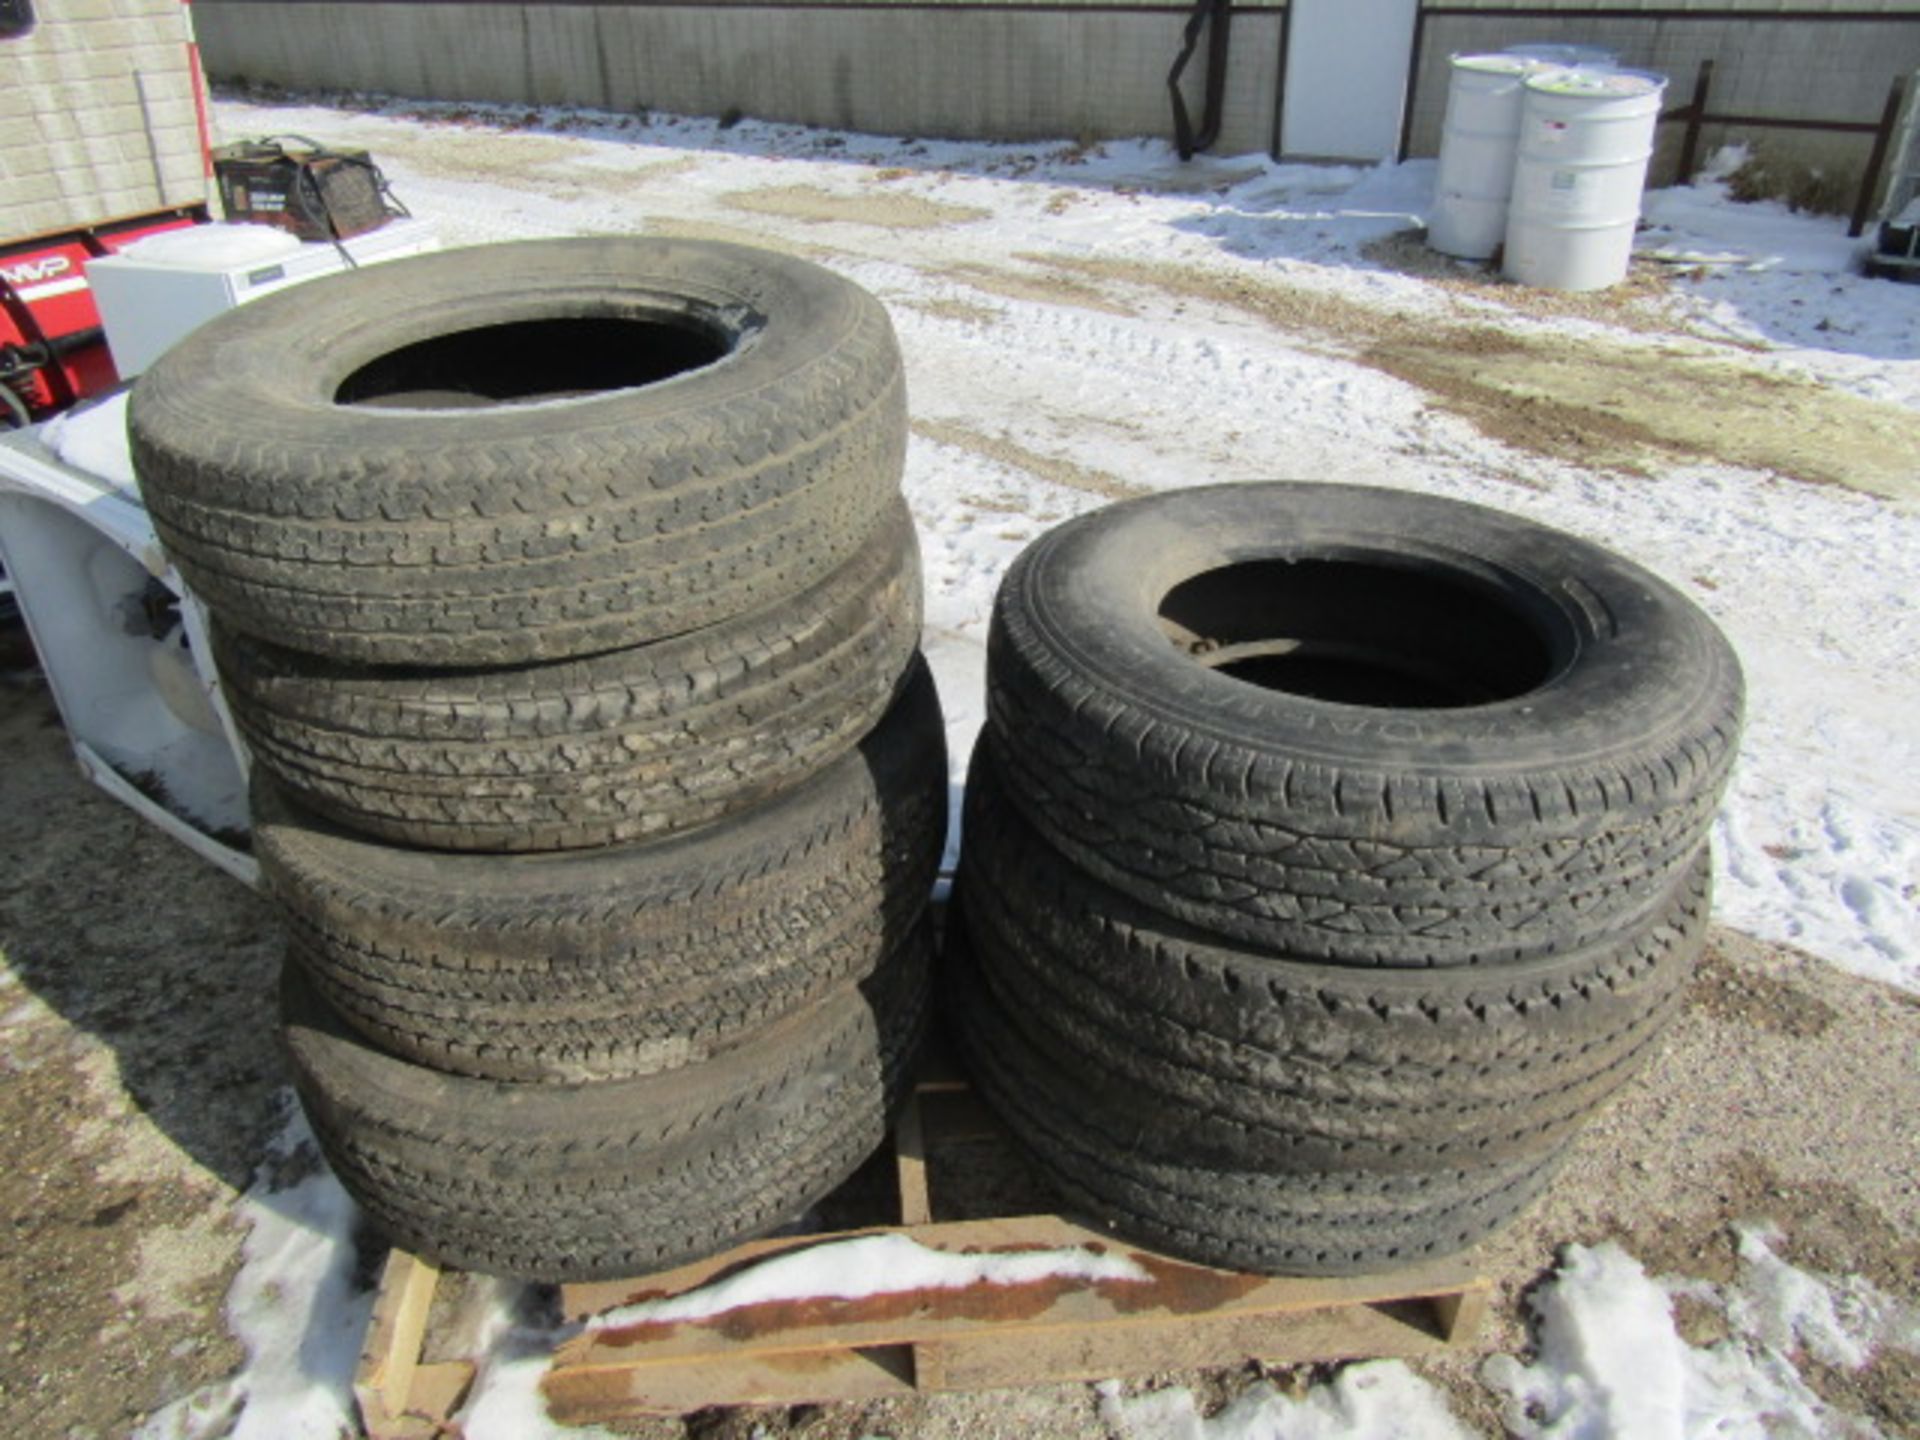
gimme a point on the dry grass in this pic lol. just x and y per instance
(963, 311)
(1590, 401)
(1642, 303)
(813, 205)
(1051, 468)
(675, 229)
(1049, 288)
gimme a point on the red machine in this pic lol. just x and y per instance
(52, 352)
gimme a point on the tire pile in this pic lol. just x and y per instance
(1330, 855)
(566, 600)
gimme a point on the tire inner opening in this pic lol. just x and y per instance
(528, 361)
(1359, 631)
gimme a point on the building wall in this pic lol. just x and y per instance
(97, 104)
(1003, 72)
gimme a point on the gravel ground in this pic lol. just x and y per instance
(139, 1081)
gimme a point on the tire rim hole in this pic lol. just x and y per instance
(1391, 632)
(529, 362)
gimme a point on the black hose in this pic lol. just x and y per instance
(72, 340)
(15, 407)
(1216, 17)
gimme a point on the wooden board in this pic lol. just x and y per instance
(400, 1398)
(993, 1336)
(981, 1336)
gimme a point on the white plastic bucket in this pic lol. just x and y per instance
(1585, 139)
(1587, 57)
(1478, 139)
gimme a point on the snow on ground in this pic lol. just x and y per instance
(1611, 1362)
(295, 1305)
(1380, 1400)
(1611, 1365)
(1780, 279)
(512, 1348)
(300, 1309)
(1042, 391)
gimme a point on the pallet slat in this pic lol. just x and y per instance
(1175, 1291)
(399, 1397)
(820, 1377)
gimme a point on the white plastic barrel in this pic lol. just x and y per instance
(1590, 57)
(1585, 139)
(1478, 139)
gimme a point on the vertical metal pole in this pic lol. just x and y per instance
(1696, 116)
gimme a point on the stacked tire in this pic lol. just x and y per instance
(566, 601)
(1331, 854)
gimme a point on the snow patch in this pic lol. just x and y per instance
(870, 1265)
(505, 1403)
(1611, 1365)
(296, 1306)
(1381, 1400)
(1610, 1362)
(1766, 235)
(94, 439)
(1842, 1321)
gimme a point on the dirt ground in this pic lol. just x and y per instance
(139, 1081)
(819, 207)
(1604, 402)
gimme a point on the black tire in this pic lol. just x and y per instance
(1492, 740)
(634, 743)
(1279, 1222)
(559, 1183)
(605, 963)
(1205, 1053)
(718, 428)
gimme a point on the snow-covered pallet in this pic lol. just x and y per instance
(977, 1336)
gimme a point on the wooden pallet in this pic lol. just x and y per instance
(980, 1337)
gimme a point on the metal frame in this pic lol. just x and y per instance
(92, 664)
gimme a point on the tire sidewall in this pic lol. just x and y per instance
(1644, 662)
(281, 360)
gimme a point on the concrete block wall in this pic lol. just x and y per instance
(922, 70)
(1794, 68)
(97, 103)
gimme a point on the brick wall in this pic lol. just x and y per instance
(97, 106)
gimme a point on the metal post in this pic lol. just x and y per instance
(1696, 117)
